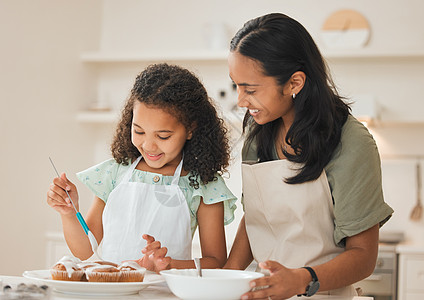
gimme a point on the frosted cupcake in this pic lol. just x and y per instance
(84, 266)
(87, 264)
(104, 262)
(67, 269)
(102, 273)
(131, 272)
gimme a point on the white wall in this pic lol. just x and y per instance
(43, 84)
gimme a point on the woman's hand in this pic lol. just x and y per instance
(282, 283)
(154, 258)
(57, 197)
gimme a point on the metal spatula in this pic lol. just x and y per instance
(417, 211)
(92, 239)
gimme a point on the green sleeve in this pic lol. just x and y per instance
(101, 179)
(354, 175)
(214, 192)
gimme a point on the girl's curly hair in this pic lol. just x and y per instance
(180, 93)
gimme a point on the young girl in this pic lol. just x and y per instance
(163, 181)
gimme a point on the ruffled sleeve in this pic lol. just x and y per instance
(101, 179)
(214, 192)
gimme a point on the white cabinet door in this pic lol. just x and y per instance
(413, 296)
(56, 248)
(415, 274)
(411, 277)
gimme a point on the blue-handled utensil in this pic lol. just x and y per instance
(92, 239)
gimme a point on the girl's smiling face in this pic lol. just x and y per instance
(261, 94)
(158, 135)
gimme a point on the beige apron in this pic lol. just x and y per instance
(135, 208)
(289, 223)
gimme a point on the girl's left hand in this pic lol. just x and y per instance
(282, 283)
(154, 258)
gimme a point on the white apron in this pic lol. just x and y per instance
(289, 223)
(136, 208)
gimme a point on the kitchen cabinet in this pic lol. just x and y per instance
(411, 276)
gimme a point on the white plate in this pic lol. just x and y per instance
(93, 288)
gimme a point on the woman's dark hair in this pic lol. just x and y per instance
(282, 46)
(180, 93)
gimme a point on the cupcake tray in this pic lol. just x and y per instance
(93, 288)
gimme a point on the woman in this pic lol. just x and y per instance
(312, 187)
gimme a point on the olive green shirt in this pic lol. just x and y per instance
(354, 177)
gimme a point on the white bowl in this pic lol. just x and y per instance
(216, 284)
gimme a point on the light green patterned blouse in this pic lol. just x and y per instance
(101, 179)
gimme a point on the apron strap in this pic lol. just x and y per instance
(128, 174)
(177, 173)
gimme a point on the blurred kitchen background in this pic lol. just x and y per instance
(66, 68)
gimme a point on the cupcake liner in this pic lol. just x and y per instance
(64, 275)
(104, 274)
(132, 275)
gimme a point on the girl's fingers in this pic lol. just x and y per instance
(148, 238)
(160, 253)
(69, 184)
(163, 263)
(150, 248)
(55, 198)
(63, 209)
(58, 194)
(61, 183)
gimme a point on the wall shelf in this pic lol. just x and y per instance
(210, 56)
(109, 57)
(99, 117)
(207, 56)
(374, 54)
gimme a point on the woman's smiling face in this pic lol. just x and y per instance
(261, 94)
(158, 135)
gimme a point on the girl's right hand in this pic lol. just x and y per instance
(154, 258)
(57, 197)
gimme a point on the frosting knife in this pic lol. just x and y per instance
(92, 239)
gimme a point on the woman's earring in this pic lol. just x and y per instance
(294, 96)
